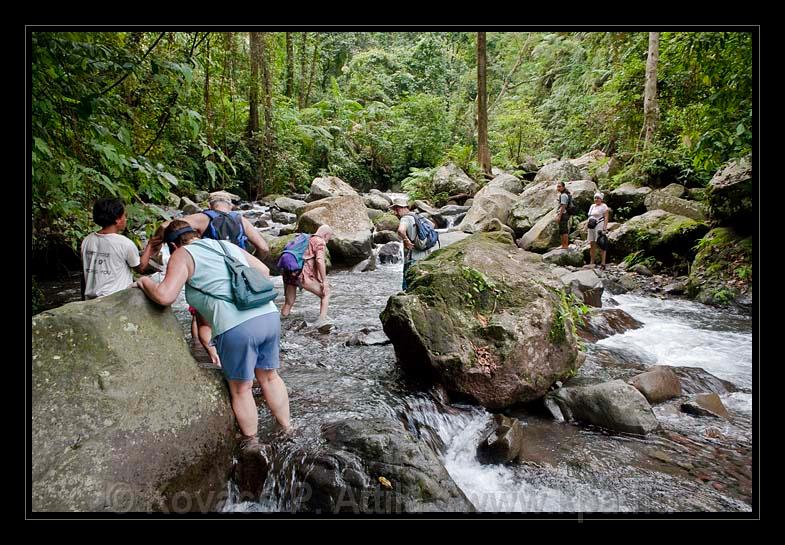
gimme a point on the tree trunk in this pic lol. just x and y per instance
(302, 84)
(289, 65)
(310, 75)
(651, 109)
(207, 111)
(267, 151)
(253, 95)
(483, 154)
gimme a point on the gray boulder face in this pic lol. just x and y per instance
(674, 190)
(352, 240)
(384, 196)
(173, 200)
(383, 237)
(539, 199)
(386, 222)
(657, 233)
(560, 171)
(373, 213)
(613, 405)
(585, 162)
(452, 180)
(605, 322)
(123, 418)
(374, 465)
(627, 200)
(285, 204)
(201, 196)
(508, 182)
(390, 253)
(376, 201)
(485, 320)
(504, 444)
(586, 285)
(231, 196)
(189, 207)
(582, 192)
(285, 218)
(423, 206)
(330, 186)
(563, 257)
(730, 195)
(695, 380)
(543, 235)
(453, 210)
(661, 200)
(605, 170)
(657, 385)
(491, 202)
(705, 405)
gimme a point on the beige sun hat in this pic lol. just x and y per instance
(401, 202)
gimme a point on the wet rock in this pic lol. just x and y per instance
(641, 269)
(368, 338)
(730, 195)
(560, 256)
(628, 282)
(504, 444)
(437, 219)
(612, 405)
(107, 415)
(480, 318)
(261, 223)
(283, 217)
(383, 237)
(452, 180)
(390, 253)
(287, 230)
(695, 380)
(285, 204)
(613, 286)
(588, 284)
(705, 405)
(675, 288)
(657, 385)
(189, 207)
(386, 222)
(603, 323)
(366, 265)
(453, 210)
(330, 186)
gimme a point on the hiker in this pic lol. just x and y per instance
(302, 264)
(247, 340)
(107, 256)
(417, 234)
(217, 222)
(598, 224)
(566, 208)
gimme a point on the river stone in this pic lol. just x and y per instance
(373, 213)
(705, 405)
(606, 322)
(123, 418)
(386, 222)
(504, 444)
(330, 186)
(452, 180)
(283, 217)
(188, 206)
(285, 204)
(375, 466)
(453, 210)
(695, 380)
(390, 253)
(366, 265)
(589, 285)
(641, 269)
(560, 171)
(507, 182)
(561, 256)
(376, 201)
(675, 288)
(662, 200)
(485, 320)
(368, 338)
(423, 206)
(730, 194)
(352, 239)
(614, 405)
(657, 233)
(383, 237)
(657, 385)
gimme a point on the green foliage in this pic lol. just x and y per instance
(640, 257)
(419, 184)
(569, 314)
(465, 156)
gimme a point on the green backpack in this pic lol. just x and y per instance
(250, 288)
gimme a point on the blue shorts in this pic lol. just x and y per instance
(250, 345)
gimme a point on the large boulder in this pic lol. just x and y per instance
(657, 385)
(375, 466)
(386, 222)
(563, 257)
(539, 199)
(123, 418)
(721, 273)
(730, 195)
(627, 200)
(329, 186)
(189, 207)
(352, 240)
(585, 162)
(613, 405)
(276, 245)
(383, 237)
(665, 236)
(674, 190)
(606, 322)
(489, 203)
(378, 202)
(586, 285)
(453, 210)
(484, 319)
(705, 405)
(603, 170)
(381, 194)
(508, 182)
(390, 252)
(664, 200)
(543, 235)
(452, 180)
(560, 171)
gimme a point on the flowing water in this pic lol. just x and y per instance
(691, 464)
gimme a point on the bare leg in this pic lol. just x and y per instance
(592, 251)
(194, 328)
(275, 395)
(205, 335)
(290, 296)
(604, 252)
(243, 406)
(316, 288)
(565, 242)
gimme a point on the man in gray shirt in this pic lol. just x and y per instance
(407, 230)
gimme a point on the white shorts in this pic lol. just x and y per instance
(593, 234)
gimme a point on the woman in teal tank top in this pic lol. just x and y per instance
(247, 340)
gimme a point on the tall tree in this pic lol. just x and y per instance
(207, 110)
(267, 149)
(483, 153)
(302, 83)
(253, 95)
(651, 110)
(289, 65)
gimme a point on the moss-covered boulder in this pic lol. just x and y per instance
(721, 273)
(663, 199)
(539, 199)
(485, 319)
(123, 418)
(352, 240)
(730, 195)
(386, 222)
(667, 237)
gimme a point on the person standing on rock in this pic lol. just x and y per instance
(247, 340)
(598, 224)
(563, 214)
(307, 270)
(407, 231)
(107, 256)
(217, 222)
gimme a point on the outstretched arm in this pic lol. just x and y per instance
(262, 249)
(177, 273)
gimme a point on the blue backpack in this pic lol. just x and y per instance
(295, 248)
(225, 226)
(426, 237)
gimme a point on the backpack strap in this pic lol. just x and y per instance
(225, 255)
